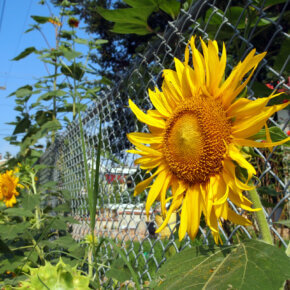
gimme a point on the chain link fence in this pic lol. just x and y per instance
(121, 216)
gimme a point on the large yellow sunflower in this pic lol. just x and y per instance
(196, 134)
(8, 187)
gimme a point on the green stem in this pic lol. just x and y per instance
(37, 209)
(261, 217)
(90, 261)
(39, 251)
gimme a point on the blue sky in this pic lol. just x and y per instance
(14, 74)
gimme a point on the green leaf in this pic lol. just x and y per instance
(127, 15)
(171, 7)
(11, 264)
(42, 117)
(61, 222)
(24, 92)
(101, 41)
(127, 263)
(141, 3)
(30, 201)
(25, 53)
(40, 19)
(125, 28)
(74, 71)
(119, 271)
(49, 126)
(70, 54)
(286, 223)
(281, 58)
(22, 125)
(242, 266)
(64, 242)
(273, 2)
(276, 135)
(81, 41)
(67, 34)
(10, 231)
(49, 95)
(4, 248)
(21, 212)
(49, 184)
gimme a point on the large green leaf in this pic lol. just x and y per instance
(273, 2)
(129, 20)
(282, 56)
(171, 7)
(10, 231)
(248, 265)
(127, 15)
(119, 271)
(141, 3)
(25, 53)
(30, 201)
(125, 28)
(20, 212)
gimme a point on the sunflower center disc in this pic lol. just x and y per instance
(194, 140)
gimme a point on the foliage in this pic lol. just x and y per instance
(60, 276)
(31, 232)
(242, 266)
(43, 108)
(35, 233)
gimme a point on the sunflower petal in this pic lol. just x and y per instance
(251, 143)
(155, 190)
(238, 219)
(157, 103)
(175, 205)
(194, 206)
(238, 157)
(183, 219)
(145, 118)
(244, 107)
(247, 127)
(145, 138)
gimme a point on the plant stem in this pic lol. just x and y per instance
(38, 250)
(261, 217)
(37, 209)
(90, 261)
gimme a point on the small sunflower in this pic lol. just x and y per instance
(197, 131)
(8, 187)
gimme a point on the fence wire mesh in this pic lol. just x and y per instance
(121, 216)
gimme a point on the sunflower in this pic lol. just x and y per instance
(8, 184)
(197, 132)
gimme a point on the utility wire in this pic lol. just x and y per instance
(2, 13)
(19, 40)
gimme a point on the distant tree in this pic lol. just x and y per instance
(114, 57)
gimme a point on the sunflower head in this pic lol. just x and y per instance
(195, 139)
(8, 187)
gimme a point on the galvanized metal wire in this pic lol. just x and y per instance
(122, 217)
